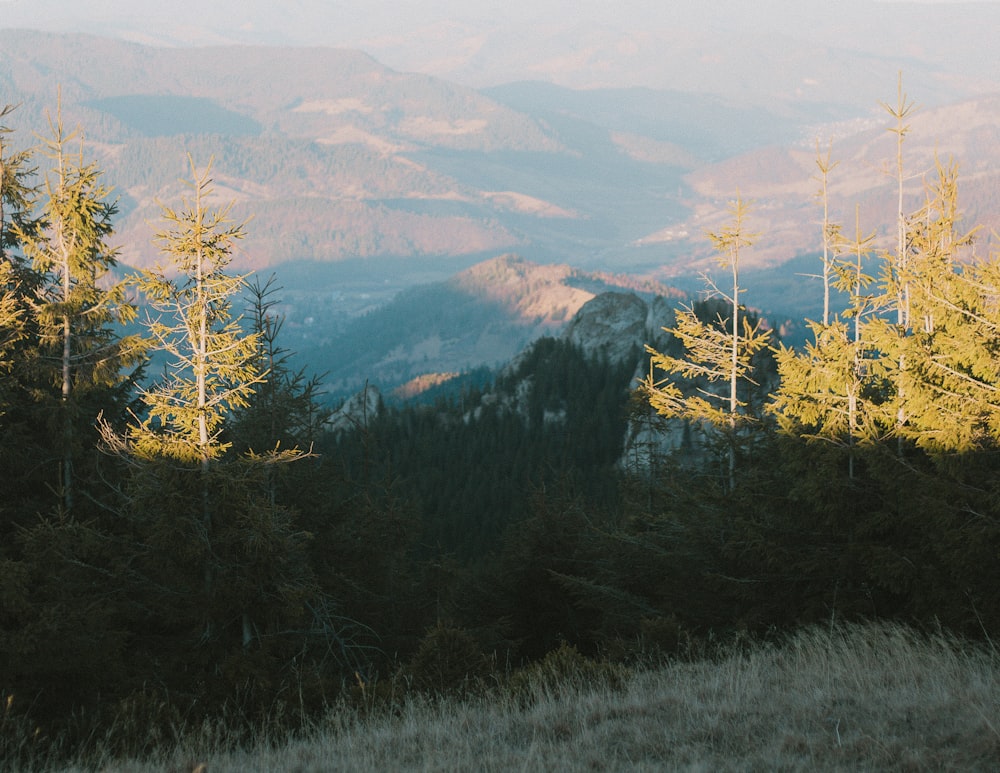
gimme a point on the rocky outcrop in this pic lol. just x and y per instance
(616, 325)
(612, 324)
(357, 411)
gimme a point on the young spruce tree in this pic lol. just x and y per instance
(211, 370)
(16, 205)
(713, 353)
(222, 561)
(83, 361)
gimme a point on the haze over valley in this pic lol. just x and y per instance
(379, 151)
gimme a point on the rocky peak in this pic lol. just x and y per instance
(614, 322)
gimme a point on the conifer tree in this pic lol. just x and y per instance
(16, 194)
(64, 362)
(831, 231)
(828, 391)
(850, 385)
(713, 353)
(952, 376)
(213, 531)
(897, 271)
(284, 411)
(897, 276)
(78, 309)
(16, 197)
(212, 368)
(279, 425)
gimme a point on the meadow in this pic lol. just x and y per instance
(856, 697)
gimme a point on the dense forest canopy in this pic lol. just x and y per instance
(202, 538)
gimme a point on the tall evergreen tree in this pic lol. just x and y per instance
(16, 200)
(829, 390)
(284, 410)
(831, 231)
(212, 369)
(64, 363)
(79, 309)
(949, 387)
(210, 531)
(214, 363)
(722, 351)
(17, 195)
(897, 269)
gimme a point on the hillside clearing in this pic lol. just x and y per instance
(875, 697)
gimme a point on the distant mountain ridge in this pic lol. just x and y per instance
(782, 183)
(768, 52)
(483, 316)
(338, 158)
(317, 144)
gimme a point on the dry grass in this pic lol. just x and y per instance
(875, 697)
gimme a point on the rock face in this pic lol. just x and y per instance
(610, 324)
(356, 411)
(615, 325)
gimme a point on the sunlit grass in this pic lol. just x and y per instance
(876, 697)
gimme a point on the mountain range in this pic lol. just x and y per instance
(767, 52)
(483, 316)
(363, 184)
(338, 157)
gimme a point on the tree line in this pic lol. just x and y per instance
(166, 532)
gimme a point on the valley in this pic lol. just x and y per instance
(360, 181)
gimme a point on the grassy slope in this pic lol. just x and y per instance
(857, 698)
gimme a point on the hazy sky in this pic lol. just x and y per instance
(587, 43)
(343, 21)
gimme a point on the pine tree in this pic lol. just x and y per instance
(16, 204)
(214, 363)
(952, 353)
(17, 196)
(210, 526)
(64, 362)
(897, 276)
(279, 425)
(212, 370)
(284, 411)
(897, 271)
(831, 231)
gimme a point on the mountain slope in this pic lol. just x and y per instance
(484, 315)
(782, 183)
(338, 157)
(317, 143)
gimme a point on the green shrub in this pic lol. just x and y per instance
(447, 659)
(564, 669)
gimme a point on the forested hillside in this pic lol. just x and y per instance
(199, 541)
(480, 317)
(335, 156)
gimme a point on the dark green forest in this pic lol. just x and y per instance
(193, 539)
